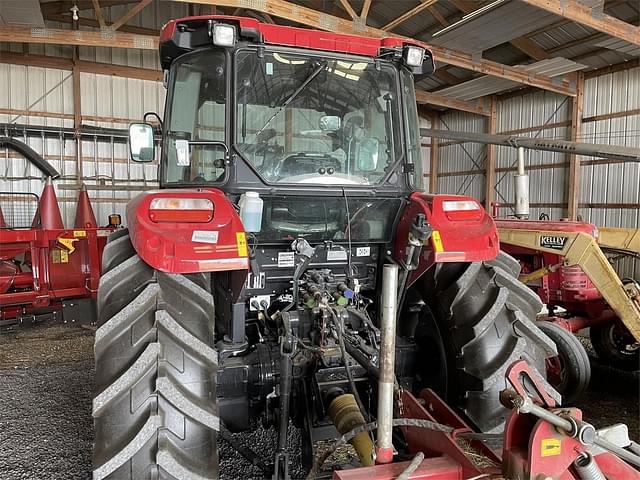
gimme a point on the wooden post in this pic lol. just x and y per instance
(433, 169)
(577, 106)
(490, 165)
(77, 109)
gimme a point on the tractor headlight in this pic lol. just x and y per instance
(413, 56)
(224, 35)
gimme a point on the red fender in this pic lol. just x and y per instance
(186, 245)
(458, 236)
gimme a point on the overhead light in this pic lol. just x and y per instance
(74, 11)
(224, 35)
(413, 56)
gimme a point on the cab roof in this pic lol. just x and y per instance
(185, 34)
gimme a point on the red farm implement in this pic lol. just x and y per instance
(45, 268)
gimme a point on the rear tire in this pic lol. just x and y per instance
(155, 410)
(611, 342)
(570, 372)
(478, 320)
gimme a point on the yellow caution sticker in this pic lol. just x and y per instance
(437, 241)
(64, 256)
(79, 233)
(549, 447)
(241, 242)
(68, 243)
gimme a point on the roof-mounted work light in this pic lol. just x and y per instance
(223, 35)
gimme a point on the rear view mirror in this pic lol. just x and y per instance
(329, 123)
(367, 154)
(141, 143)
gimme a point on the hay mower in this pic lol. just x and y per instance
(290, 269)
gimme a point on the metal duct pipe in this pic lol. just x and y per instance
(521, 188)
(615, 152)
(384, 449)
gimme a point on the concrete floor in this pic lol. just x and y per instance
(46, 388)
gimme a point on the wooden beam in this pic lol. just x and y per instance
(99, 16)
(78, 37)
(581, 13)
(63, 6)
(433, 10)
(348, 8)
(44, 61)
(407, 15)
(120, 71)
(466, 61)
(434, 156)
(573, 191)
(490, 165)
(323, 21)
(365, 9)
(130, 14)
(90, 22)
(77, 109)
(430, 98)
(617, 67)
(530, 48)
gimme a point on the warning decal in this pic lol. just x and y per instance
(549, 447)
(437, 241)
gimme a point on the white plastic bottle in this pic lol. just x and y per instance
(251, 211)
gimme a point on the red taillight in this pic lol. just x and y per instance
(181, 210)
(462, 210)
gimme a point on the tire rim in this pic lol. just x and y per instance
(619, 341)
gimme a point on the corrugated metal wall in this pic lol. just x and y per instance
(456, 157)
(547, 185)
(545, 114)
(107, 101)
(616, 182)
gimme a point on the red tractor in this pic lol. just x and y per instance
(566, 264)
(251, 284)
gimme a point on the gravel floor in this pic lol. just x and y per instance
(46, 386)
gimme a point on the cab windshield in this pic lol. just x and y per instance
(316, 120)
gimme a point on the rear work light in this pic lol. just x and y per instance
(223, 35)
(413, 56)
(181, 210)
(462, 209)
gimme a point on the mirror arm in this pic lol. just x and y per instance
(153, 114)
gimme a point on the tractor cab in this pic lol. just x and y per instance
(266, 108)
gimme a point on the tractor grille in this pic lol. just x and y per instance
(18, 210)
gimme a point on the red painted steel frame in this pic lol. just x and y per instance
(57, 271)
(217, 245)
(473, 238)
(533, 449)
(566, 287)
(300, 37)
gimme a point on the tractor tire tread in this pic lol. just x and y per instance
(488, 321)
(155, 406)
